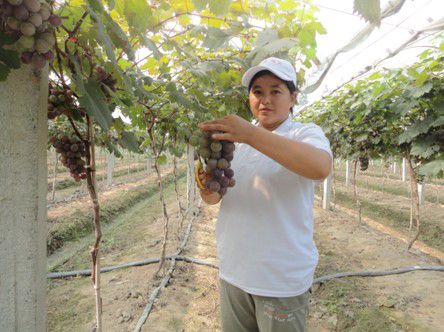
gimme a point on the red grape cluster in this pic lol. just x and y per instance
(217, 156)
(59, 102)
(30, 21)
(108, 80)
(71, 152)
(363, 162)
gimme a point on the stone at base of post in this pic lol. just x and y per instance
(23, 189)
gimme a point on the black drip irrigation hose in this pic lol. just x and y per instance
(59, 275)
(439, 268)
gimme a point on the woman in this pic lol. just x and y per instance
(265, 224)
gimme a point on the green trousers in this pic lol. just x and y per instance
(243, 312)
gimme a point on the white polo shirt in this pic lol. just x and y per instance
(265, 225)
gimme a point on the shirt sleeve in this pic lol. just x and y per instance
(312, 134)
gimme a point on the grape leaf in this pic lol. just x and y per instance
(105, 40)
(200, 4)
(4, 72)
(129, 141)
(10, 58)
(95, 104)
(216, 38)
(433, 168)
(220, 7)
(424, 148)
(113, 149)
(180, 98)
(152, 46)
(370, 10)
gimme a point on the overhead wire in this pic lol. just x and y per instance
(380, 38)
(355, 15)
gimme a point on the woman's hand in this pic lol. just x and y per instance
(207, 195)
(233, 128)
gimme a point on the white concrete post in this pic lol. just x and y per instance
(421, 193)
(326, 199)
(394, 167)
(23, 188)
(404, 170)
(148, 163)
(111, 163)
(347, 172)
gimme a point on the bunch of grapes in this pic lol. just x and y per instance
(439, 137)
(217, 156)
(106, 79)
(71, 152)
(30, 21)
(363, 162)
(59, 102)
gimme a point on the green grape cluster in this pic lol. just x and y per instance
(363, 162)
(71, 152)
(107, 80)
(59, 102)
(31, 23)
(217, 156)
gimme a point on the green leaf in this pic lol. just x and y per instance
(96, 5)
(180, 98)
(6, 39)
(433, 168)
(418, 91)
(306, 38)
(10, 58)
(420, 127)
(220, 7)
(113, 149)
(200, 4)
(129, 141)
(4, 72)
(118, 36)
(266, 36)
(152, 46)
(95, 104)
(216, 38)
(111, 4)
(162, 160)
(370, 10)
(104, 39)
(425, 148)
(138, 14)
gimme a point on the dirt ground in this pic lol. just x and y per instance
(405, 302)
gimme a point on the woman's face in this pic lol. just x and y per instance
(270, 101)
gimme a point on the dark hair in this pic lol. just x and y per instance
(290, 84)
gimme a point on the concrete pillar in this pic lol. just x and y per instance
(421, 193)
(347, 172)
(148, 163)
(326, 199)
(23, 188)
(404, 170)
(111, 163)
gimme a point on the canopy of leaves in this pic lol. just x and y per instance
(176, 63)
(397, 112)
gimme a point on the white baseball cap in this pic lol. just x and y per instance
(281, 68)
